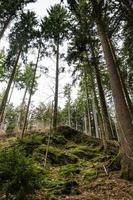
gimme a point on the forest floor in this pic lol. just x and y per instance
(77, 168)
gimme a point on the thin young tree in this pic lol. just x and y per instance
(55, 28)
(30, 93)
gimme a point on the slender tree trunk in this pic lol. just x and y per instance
(125, 121)
(4, 100)
(108, 131)
(95, 115)
(100, 117)
(85, 124)
(22, 108)
(55, 117)
(87, 97)
(30, 95)
(10, 96)
(69, 113)
(76, 125)
(6, 24)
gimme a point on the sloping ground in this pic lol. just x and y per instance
(106, 188)
(77, 166)
(6, 141)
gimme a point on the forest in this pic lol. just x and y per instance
(69, 148)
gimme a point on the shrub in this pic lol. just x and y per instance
(19, 176)
(11, 127)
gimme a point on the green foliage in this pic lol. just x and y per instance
(24, 79)
(29, 143)
(43, 113)
(10, 128)
(19, 176)
(11, 118)
(89, 174)
(9, 11)
(55, 27)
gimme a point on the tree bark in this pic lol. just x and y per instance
(128, 100)
(69, 113)
(22, 108)
(87, 102)
(95, 115)
(30, 96)
(107, 125)
(125, 121)
(55, 114)
(4, 100)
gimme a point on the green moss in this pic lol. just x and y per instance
(60, 187)
(69, 169)
(82, 153)
(69, 133)
(29, 143)
(89, 174)
(58, 140)
(55, 155)
(34, 139)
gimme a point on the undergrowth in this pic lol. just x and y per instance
(71, 162)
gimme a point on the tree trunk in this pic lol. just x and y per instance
(31, 92)
(107, 125)
(4, 100)
(55, 116)
(87, 102)
(10, 96)
(85, 124)
(125, 121)
(69, 113)
(100, 117)
(129, 102)
(6, 24)
(95, 115)
(22, 108)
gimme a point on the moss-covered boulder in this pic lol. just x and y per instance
(55, 155)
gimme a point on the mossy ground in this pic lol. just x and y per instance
(77, 166)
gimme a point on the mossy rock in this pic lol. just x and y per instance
(62, 187)
(58, 140)
(69, 133)
(77, 136)
(55, 155)
(82, 152)
(69, 169)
